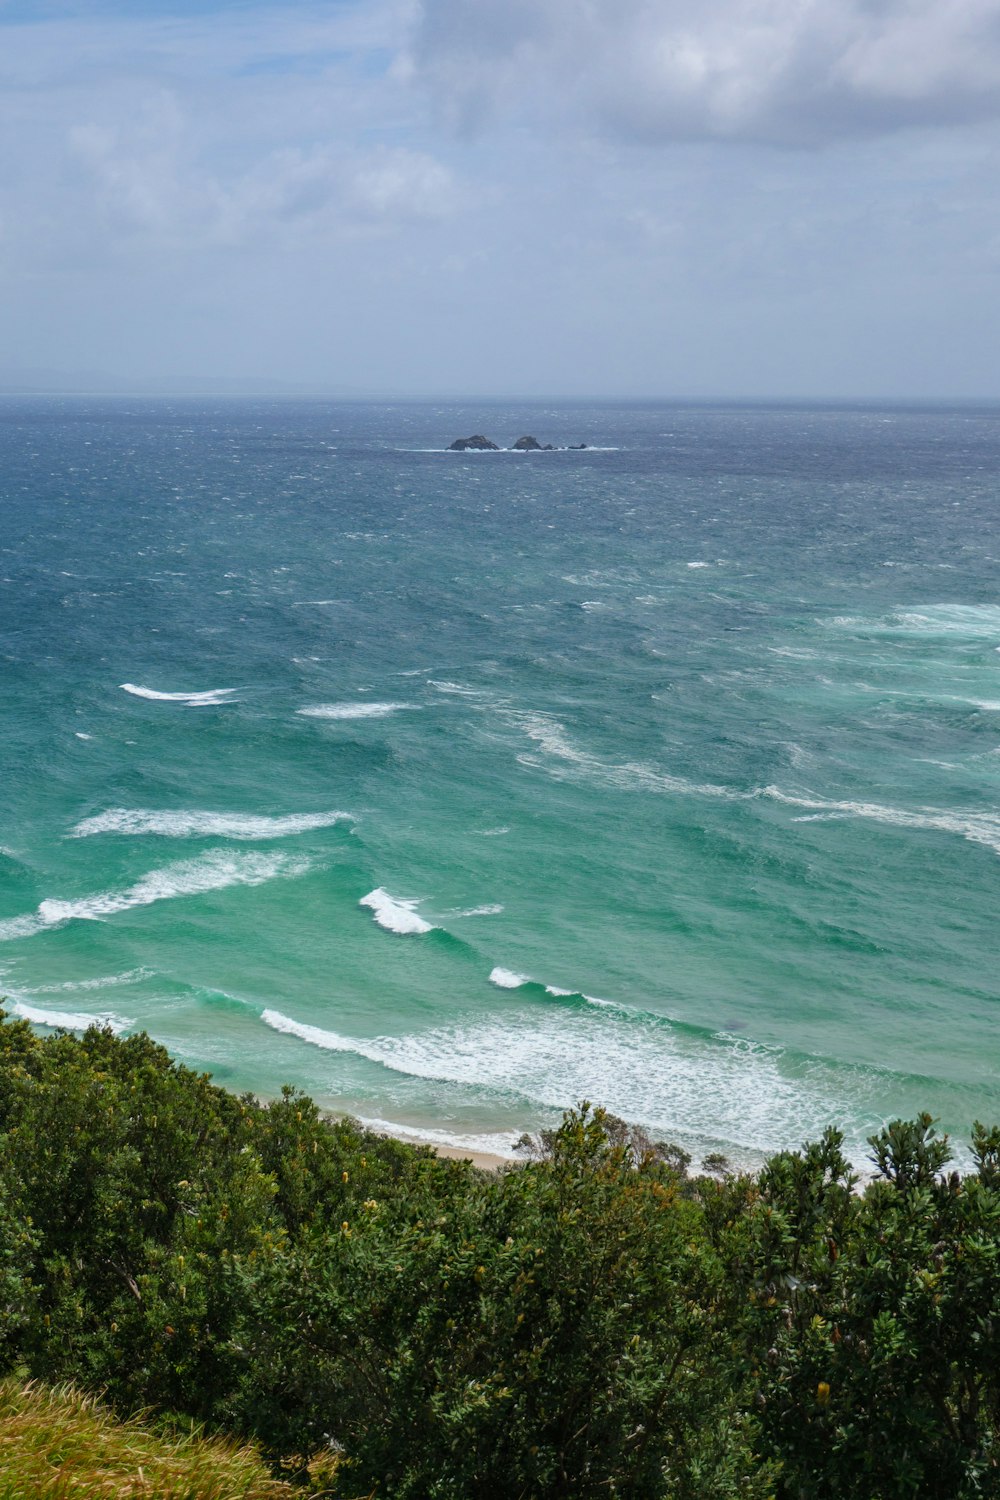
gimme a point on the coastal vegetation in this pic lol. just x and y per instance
(376, 1321)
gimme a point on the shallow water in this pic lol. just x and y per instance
(455, 788)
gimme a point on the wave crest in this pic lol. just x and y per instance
(193, 823)
(395, 913)
(214, 871)
(207, 699)
(69, 1020)
(352, 710)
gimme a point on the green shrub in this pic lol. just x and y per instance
(543, 1332)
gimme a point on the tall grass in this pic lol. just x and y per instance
(57, 1444)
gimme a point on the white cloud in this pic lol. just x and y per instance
(256, 129)
(403, 184)
(266, 191)
(147, 187)
(790, 72)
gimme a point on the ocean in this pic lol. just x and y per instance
(456, 788)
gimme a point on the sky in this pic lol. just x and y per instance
(702, 199)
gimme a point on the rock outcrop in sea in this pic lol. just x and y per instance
(477, 442)
(527, 444)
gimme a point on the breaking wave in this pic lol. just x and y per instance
(193, 700)
(193, 823)
(395, 913)
(214, 871)
(69, 1020)
(714, 1088)
(352, 710)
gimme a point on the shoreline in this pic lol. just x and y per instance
(486, 1161)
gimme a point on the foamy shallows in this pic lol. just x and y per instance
(214, 871)
(717, 1090)
(70, 1020)
(352, 710)
(192, 700)
(192, 823)
(492, 1143)
(395, 913)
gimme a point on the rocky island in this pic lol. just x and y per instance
(477, 442)
(528, 444)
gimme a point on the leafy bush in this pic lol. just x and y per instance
(593, 1321)
(874, 1320)
(543, 1332)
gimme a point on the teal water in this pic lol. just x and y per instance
(670, 769)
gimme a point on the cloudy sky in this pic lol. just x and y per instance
(743, 198)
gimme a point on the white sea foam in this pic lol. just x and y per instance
(67, 1020)
(105, 982)
(491, 909)
(493, 1143)
(972, 621)
(395, 913)
(697, 564)
(456, 688)
(979, 828)
(214, 871)
(353, 710)
(552, 739)
(193, 823)
(722, 1089)
(81, 736)
(205, 699)
(13, 928)
(330, 1041)
(506, 979)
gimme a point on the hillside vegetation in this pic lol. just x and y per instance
(592, 1322)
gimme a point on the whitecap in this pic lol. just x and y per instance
(552, 739)
(456, 688)
(491, 909)
(105, 982)
(187, 823)
(395, 913)
(971, 621)
(352, 710)
(506, 979)
(67, 1020)
(214, 871)
(979, 828)
(212, 696)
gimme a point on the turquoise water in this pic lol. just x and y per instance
(455, 788)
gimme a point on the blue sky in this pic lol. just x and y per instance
(539, 197)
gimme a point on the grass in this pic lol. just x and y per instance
(57, 1444)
